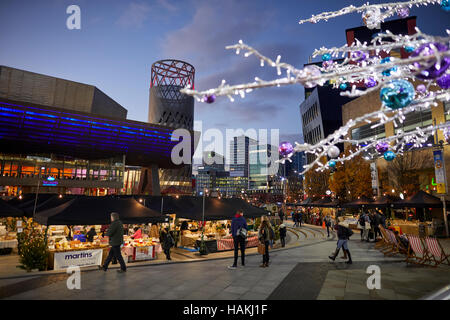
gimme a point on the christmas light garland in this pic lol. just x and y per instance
(429, 61)
(391, 9)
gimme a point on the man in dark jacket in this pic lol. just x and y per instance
(115, 234)
(238, 223)
(344, 233)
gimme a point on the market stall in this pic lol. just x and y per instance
(421, 215)
(73, 215)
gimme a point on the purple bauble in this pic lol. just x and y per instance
(370, 82)
(421, 88)
(432, 72)
(326, 64)
(285, 148)
(359, 55)
(209, 99)
(403, 12)
(444, 81)
(382, 147)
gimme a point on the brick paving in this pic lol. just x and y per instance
(300, 272)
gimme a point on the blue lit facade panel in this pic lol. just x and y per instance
(30, 128)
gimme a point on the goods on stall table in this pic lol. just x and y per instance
(140, 249)
(228, 244)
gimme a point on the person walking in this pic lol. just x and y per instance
(283, 235)
(344, 233)
(300, 218)
(265, 234)
(281, 214)
(167, 242)
(327, 221)
(115, 234)
(367, 226)
(239, 232)
(295, 218)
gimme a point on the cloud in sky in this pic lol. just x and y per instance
(134, 15)
(202, 40)
(213, 27)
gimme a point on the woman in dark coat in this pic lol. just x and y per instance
(167, 242)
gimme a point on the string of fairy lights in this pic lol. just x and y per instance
(357, 70)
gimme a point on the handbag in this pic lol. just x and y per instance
(242, 232)
(367, 225)
(261, 248)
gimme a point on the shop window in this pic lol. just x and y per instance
(415, 119)
(366, 132)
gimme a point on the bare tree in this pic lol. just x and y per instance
(407, 172)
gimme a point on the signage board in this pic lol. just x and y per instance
(82, 258)
(439, 171)
(144, 253)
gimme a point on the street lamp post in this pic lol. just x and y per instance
(202, 249)
(37, 191)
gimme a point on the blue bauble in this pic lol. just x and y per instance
(326, 57)
(445, 5)
(409, 49)
(389, 71)
(332, 163)
(397, 94)
(343, 86)
(389, 155)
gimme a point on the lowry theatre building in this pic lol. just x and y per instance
(61, 136)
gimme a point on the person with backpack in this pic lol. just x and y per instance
(366, 227)
(239, 232)
(344, 233)
(167, 242)
(265, 235)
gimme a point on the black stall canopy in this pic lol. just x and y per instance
(362, 201)
(382, 202)
(84, 210)
(420, 199)
(7, 210)
(306, 203)
(191, 207)
(27, 201)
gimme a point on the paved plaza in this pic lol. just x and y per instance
(299, 272)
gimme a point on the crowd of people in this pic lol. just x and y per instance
(368, 223)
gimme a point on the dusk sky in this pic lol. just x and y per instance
(119, 41)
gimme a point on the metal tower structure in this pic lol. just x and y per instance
(167, 104)
(169, 107)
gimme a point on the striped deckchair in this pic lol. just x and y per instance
(388, 246)
(384, 243)
(436, 251)
(397, 245)
(419, 253)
